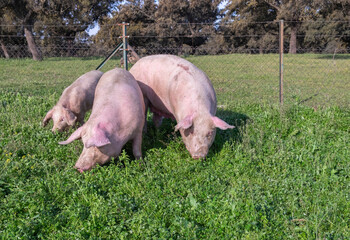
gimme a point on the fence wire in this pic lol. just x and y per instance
(243, 68)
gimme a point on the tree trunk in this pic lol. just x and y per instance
(293, 40)
(32, 45)
(4, 49)
(261, 49)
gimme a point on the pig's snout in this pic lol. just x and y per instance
(83, 166)
(201, 153)
(199, 156)
(81, 170)
(57, 129)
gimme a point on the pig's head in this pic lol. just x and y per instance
(62, 118)
(96, 146)
(198, 132)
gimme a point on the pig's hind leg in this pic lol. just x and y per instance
(136, 145)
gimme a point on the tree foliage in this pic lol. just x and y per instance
(174, 26)
(331, 32)
(167, 23)
(140, 16)
(301, 18)
(249, 12)
(53, 21)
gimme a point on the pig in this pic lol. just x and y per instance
(175, 88)
(74, 102)
(117, 116)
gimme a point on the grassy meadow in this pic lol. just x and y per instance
(282, 173)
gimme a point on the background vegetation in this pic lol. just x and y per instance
(59, 28)
(281, 174)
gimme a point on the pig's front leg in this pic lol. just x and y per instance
(157, 119)
(80, 119)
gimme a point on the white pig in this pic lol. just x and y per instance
(175, 88)
(74, 102)
(117, 116)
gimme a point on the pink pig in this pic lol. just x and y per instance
(74, 102)
(117, 116)
(175, 88)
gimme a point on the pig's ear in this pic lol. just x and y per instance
(221, 124)
(47, 117)
(76, 135)
(185, 123)
(99, 138)
(70, 117)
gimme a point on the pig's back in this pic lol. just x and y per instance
(120, 84)
(175, 81)
(164, 68)
(81, 91)
(118, 94)
(87, 81)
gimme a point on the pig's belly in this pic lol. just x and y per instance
(162, 113)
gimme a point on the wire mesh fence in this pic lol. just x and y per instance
(243, 68)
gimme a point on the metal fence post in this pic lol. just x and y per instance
(281, 60)
(125, 46)
(109, 56)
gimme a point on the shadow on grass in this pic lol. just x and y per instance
(335, 57)
(161, 137)
(239, 120)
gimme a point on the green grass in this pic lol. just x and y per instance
(283, 173)
(316, 80)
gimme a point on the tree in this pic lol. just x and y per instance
(139, 14)
(170, 25)
(249, 24)
(11, 39)
(330, 31)
(64, 23)
(24, 12)
(293, 12)
(3, 30)
(2, 44)
(48, 18)
(189, 22)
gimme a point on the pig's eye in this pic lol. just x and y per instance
(61, 119)
(188, 131)
(209, 134)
